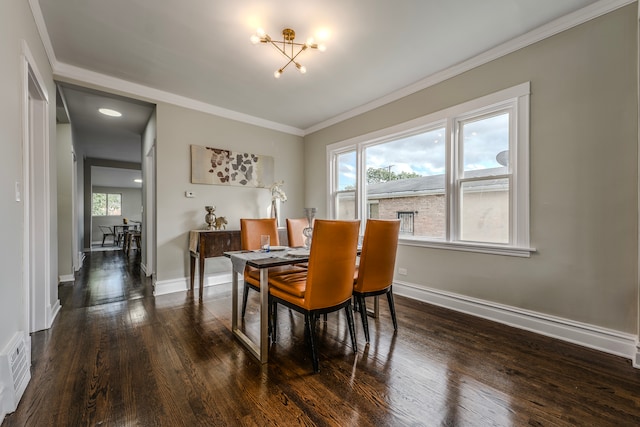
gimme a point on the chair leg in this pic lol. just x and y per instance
(103, 237)
(245, 295)
(392, 309)
(273, 319)
(362, 305)
(352, 327)
(308, 324)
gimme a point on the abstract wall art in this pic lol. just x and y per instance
(224, 167)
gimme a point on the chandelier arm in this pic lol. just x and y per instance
(293, 58)
(279, 48)
(285, 65)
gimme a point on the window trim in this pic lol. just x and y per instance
(515, 98)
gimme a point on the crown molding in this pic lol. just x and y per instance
(42, 30)
(550, 29)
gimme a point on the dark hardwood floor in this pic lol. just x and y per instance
(117, 356)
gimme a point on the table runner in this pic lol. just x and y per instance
(240, 259)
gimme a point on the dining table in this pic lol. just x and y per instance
(262, 261)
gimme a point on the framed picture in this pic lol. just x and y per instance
(224, 167)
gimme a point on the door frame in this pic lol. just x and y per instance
(36, 191)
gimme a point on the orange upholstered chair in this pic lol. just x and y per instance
(374, 275)
(326, 286)
(250, 232)
(294, 231)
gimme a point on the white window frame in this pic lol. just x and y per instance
(514, 99)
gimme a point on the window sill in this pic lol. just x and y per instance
(468, 247)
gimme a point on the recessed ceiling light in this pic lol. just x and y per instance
(137, 180)
(110, 112)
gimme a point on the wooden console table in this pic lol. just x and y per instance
(208, 244)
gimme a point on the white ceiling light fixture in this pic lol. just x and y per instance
(287, 47)
(138, 180)
(109, 112)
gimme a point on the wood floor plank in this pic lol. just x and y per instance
(118, 356)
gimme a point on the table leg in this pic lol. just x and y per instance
(258, 351)
(264, 315)
(192, 270)
(234, 301)
(376, 307)
(201, 275)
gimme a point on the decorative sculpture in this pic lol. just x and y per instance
(220, 223)
(210, 217)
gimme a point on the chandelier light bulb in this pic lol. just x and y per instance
(322, 47)
(301, 68)
(277, 74)
(255, 39)
(260, 32)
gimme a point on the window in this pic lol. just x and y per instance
(456, 179)
(345, 194)
(105, 204)
(406, 222)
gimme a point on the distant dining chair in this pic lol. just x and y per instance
(250, 232)
(107, 232)
(295, 236)
(326, 286)
(130, 237)
(294, 231)
(374, 275)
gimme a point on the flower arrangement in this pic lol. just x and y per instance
(277, 193)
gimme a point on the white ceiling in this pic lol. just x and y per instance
(199, 50)
(115, 177)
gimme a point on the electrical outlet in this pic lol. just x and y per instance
(189, 194)
(402, 271)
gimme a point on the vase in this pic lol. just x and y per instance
(274, 211)
(310, 214)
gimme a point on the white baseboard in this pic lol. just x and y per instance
(3, 398)
(53, 312)
(79, 260)
(181, 285)
(586, 335)
(66, 278)
(591, 336)
(143, 267)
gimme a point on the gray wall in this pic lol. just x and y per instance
(64, 153)
(584, 174)
(148, 194)
(177, 129)
(16, 26)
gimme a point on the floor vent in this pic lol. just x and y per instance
(15, 371)
(19, 363)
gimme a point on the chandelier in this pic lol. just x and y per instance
(287, 47)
